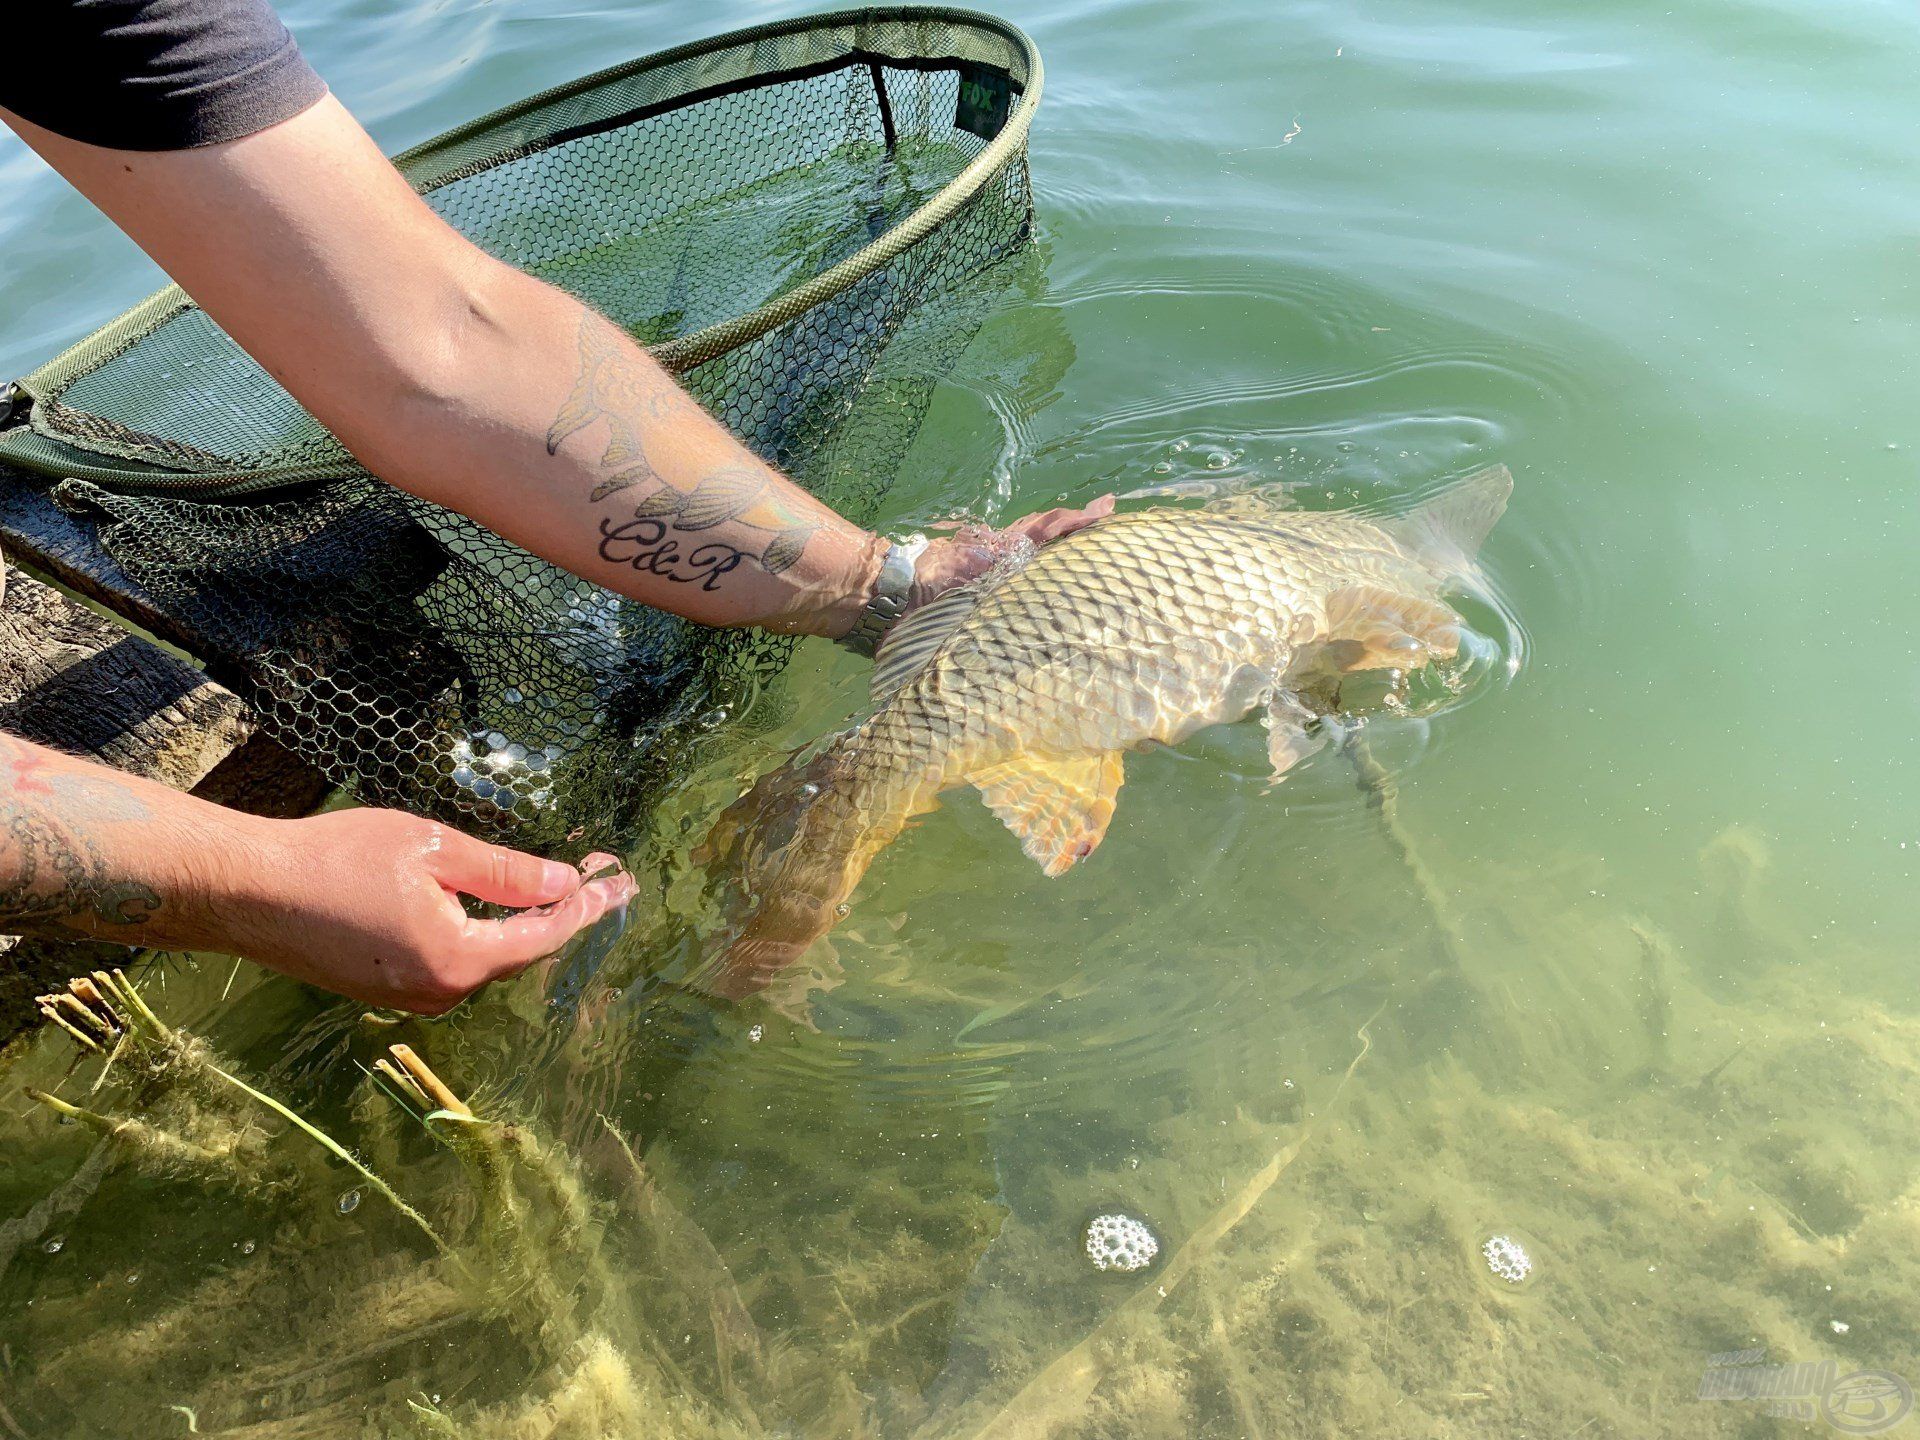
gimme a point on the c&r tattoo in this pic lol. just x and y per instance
(643, 544)
(613, 391)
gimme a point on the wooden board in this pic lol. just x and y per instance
(72, 679)
(39, 534)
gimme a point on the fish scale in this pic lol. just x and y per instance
(1033, 683)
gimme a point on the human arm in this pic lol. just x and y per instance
(361, 902)
(476, 386)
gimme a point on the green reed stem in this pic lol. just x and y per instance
(335, 1148)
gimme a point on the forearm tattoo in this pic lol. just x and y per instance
(615, 393)
(53, 870)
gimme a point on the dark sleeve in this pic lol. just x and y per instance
(152, 74)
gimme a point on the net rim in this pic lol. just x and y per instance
(677, 356)
(711, 342)
(716, 340)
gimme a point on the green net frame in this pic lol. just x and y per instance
(804, 220)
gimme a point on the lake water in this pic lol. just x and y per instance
(1625, 970)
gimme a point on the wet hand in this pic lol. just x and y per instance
(366, 903)
(972, 550)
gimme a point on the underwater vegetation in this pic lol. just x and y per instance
(433, 1252)
(517, 1253)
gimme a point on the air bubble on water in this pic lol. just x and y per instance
(1219, 460)
(1164, 467)
(55, 1245)
(714, 718)
(349, 1202)
(809, 790)
(843, 910)
(247, 1247)
(133, 1277)
(755, 1032)
(1121, 1242)
(1507, 1258)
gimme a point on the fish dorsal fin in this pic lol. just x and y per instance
(915, 638)
(1059, 806)
(1452, 523)
(1257, 502)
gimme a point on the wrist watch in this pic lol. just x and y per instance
(889, 600)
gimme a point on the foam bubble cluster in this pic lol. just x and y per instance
(1120, 1242)
(1507, 1258)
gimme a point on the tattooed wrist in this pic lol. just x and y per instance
(616, 394)
(55, 874)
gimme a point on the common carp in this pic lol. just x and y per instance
(1032, 683)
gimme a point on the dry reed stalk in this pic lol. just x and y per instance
(426, 1080)
(108, 1003)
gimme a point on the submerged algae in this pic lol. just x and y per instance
(727, 1278)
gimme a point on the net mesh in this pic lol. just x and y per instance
(806, 221)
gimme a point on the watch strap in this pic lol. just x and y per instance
(889, 600)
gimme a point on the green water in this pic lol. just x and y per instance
(1625, 971)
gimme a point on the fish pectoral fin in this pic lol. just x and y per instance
(1370, 627)
(916, 639)
(1288, 742)
(1059, 806)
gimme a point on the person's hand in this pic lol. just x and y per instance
(972, 550)
(366, 903)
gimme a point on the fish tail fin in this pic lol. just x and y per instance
(1448, 527)
(789, 852)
